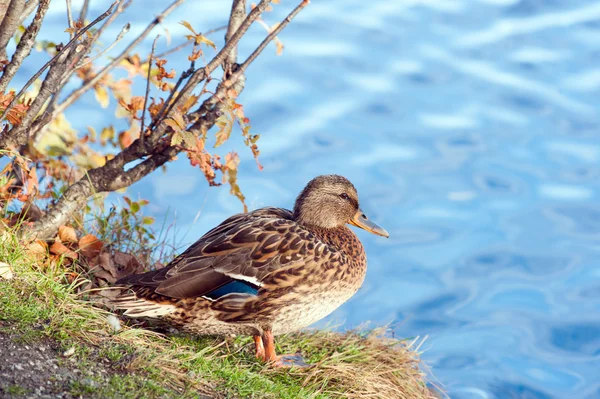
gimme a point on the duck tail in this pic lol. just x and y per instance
(136, 304)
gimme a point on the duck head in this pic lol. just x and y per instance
(331, 201)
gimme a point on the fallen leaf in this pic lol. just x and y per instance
(6, 272)
(90, 246)
(58, 248)
(105, 262)
(67, 234)
(127, 263)
(37, 249)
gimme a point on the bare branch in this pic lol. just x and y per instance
(142, 132)
(29, 7)
(120, 36)
(9, 25)
(120, 9)
(61, 66)
(70, 17)
(24, 47)
(187, 43)
(222, 88)
(59, 55)
(238, 13)
(92, 82)
(84, 11)
(155, 149)
(271, 36)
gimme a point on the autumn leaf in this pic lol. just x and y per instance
(225, 125)
(135, 105)
(232, 160)
(58, 248)
(67, 234)
(176, 122)
(101, 95)
(134, 66)
(90, 246)
(107, 134)
(176, 139)
(189, 103)
(6, 272)
(17, 112)
(197, 37)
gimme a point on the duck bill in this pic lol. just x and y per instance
(360, 220)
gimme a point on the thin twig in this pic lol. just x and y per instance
(120, 36)
(120, 9)
(204, 73)
(185, 44)
(271, 36)
(57, 56)
(222, 89)
(154, 153)
(25, 45)
(84, 10)
(142, 133)
(75, 94)
(70, 18)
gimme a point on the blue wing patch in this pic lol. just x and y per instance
(236, 286)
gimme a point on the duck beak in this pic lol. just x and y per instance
(361, 220)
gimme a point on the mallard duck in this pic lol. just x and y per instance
(262, 273)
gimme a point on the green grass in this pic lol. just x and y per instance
(39, 303)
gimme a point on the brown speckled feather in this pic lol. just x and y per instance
(266, 270)
(245, 247)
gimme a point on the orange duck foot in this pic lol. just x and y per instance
(259, 348)
(268, 345)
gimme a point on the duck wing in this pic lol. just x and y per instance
(239, 252)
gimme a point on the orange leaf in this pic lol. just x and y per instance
(90, 246)
(58, 248)
(67, 234)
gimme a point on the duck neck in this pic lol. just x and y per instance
(341, 238)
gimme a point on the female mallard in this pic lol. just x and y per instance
(262, 273)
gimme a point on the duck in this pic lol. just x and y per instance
(263, 273)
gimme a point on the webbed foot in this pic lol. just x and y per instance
(292, 360)
(295, 360)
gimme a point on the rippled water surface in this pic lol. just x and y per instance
(470, 128)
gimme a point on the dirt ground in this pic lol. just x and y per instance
(39, 370)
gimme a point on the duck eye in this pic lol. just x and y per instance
(344, 196)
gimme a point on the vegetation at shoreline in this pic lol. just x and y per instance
(38, 302)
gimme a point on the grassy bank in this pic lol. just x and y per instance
(39, 308)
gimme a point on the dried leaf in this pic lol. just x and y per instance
(225, 126)
(189, 26)
(205, 40)
(105, 262)
(67, 234)
(58, 248)
(37, 249)
(176, 139)
(6, 272)
(90, 246)
(107, 134)
(101, 95)
(232, 160)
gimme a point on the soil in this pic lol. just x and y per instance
(39, 370)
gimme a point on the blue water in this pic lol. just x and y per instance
(470, 128)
